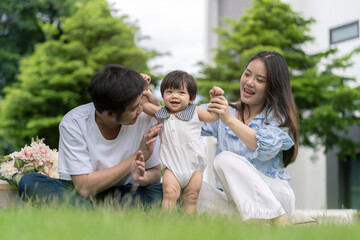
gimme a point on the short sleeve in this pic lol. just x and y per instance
(74, 157)
(271, 140)
(209, 129)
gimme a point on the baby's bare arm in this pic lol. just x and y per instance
(148, 103)
(206, 116)
(147, 95)
(147, 80)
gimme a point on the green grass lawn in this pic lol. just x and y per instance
(104, 223)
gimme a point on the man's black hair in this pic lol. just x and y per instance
(115, 87)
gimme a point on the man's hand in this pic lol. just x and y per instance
(147, 142)
(138, 168)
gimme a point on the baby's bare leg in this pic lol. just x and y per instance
(171, 190)
(191, 192)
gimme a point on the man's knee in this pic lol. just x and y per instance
(151, 193)
(28, 183)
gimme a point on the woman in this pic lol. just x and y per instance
(257, 138)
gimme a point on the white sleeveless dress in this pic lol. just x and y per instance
(182, 149)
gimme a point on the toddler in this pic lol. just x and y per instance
(182, 152)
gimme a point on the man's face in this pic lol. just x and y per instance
(131, 113)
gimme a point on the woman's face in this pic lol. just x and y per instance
(253, 83)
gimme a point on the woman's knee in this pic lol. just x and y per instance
(225, 160)
(288, 202)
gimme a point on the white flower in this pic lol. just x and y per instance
(7, 169)
(38, 154)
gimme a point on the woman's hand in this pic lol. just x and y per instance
(220, 105)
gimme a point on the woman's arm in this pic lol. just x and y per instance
(246, 134)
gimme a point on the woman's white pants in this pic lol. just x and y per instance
(246, 190)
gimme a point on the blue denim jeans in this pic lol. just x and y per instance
(38, 187)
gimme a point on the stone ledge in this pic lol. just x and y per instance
(6, 186)
(327, 216)
(8, 195)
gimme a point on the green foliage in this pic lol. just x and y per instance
(54, 79)
(327, 105)
(20, 30)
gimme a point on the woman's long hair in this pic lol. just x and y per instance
(279, 97)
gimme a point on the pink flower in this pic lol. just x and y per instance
(26, 154)
(40, 152)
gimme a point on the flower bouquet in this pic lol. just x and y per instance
(37, 157)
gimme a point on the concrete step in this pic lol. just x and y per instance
(326, 216)
(8, 195)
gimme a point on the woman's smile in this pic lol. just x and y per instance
(248, 93)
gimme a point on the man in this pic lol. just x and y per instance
(107, 148)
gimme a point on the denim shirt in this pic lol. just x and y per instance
(271, 141)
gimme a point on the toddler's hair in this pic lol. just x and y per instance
(178, 80)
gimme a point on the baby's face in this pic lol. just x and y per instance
(176, 100)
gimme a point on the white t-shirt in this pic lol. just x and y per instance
(83, 149)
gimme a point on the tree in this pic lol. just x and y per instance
(20, 30)
(53, 80)
(327, 105)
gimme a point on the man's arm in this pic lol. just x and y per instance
(92, 183)
(140, 175)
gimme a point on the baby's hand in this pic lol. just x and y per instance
(147, 80)
(216, 91)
